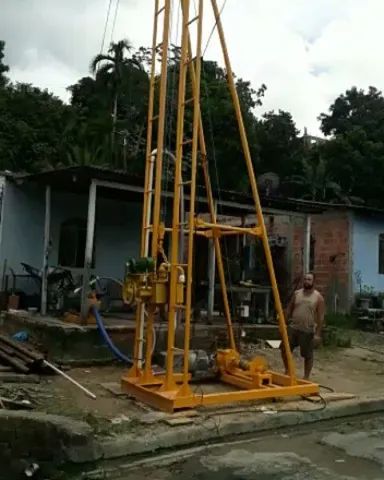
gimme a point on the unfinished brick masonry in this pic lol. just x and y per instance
(330, 257)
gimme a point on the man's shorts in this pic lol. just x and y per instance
(304, 340)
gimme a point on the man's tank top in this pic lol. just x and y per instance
(305, 310)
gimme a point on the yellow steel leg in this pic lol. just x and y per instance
(191, 221)
(211, 207)
(251, 174)
(175, 271)
(148, 193)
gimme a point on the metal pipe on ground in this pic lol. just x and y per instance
(70, 379)
(23, 359)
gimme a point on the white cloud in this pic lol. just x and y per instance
(306, 51)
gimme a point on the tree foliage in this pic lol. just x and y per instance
(355, 151)
(281, 149)
(3, 68)
(32, 126)
(105, 124)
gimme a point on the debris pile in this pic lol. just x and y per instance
(19, 358)
(24, 360)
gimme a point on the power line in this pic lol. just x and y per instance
(114, 19)
(105, 27)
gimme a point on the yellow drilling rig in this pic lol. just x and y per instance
(155, 281)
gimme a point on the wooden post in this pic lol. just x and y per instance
(46, 247)
(91, 219)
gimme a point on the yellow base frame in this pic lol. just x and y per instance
(171, 400)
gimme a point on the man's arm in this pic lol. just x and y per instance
(289, 309)
(320, 310)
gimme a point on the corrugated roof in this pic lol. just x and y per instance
(78, 178)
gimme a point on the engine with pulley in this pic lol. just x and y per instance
(144, 283)
(202, 364)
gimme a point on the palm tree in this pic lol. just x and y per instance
(112, 66)
(316, 181)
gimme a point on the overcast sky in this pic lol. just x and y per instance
(305, 51)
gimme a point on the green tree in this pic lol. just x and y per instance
(225, 156)
(226, 159)
(112, 70)
(281, 150)
(355, 110)
(355, 151)
(3, 68)
(32, 122)
(314, 182)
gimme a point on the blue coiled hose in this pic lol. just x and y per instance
(107, 338)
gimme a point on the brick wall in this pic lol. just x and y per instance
(330, 232)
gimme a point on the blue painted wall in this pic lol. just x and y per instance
(365, 251)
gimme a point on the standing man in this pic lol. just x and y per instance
(305, 316)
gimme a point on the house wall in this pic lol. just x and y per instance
(365, 238)
(332, 258)
(117, 231)
(22, 226)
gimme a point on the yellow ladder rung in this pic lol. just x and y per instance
(181, 307)
(187, 182)
(190, 100)
(187, 142)
(160, 10)
(155, 117)
(190, 60)
(193, 20)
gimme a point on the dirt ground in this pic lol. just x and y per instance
(358, 370)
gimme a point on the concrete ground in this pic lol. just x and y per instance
(333, 451)
(353, 370)
(123, 430)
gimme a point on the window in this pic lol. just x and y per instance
(73, 235)
(381, 253)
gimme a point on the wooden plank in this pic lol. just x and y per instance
(13, 377)
(5, 368)
(175, 422)
(114, 388)
(16, 363)
(21, 348)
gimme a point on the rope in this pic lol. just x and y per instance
(213, 29)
